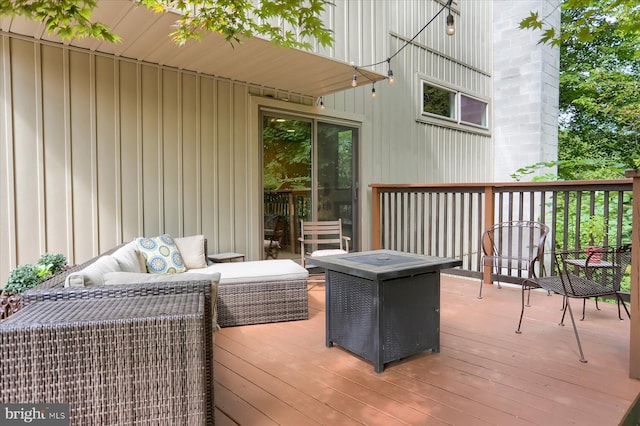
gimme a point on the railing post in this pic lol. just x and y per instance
(375, 219)
(293, 241)
(634, 338)
(489, 214)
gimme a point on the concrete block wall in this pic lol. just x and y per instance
(525, 88)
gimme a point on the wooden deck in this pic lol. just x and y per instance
(485, 374)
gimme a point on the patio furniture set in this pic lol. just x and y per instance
(515, 250)
(87, 337)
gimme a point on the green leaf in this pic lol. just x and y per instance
(231, 18)
(531, 22)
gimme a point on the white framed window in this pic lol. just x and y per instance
(473, 111)
(452, 107)
(438, 101)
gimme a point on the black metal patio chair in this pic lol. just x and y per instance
(514, 248)
(582, 276)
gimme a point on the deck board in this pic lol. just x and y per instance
(485, 374)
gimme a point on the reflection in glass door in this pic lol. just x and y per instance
(286, 181)
(309, 173)
(336, 171)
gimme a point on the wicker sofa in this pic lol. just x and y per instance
(248, 292)
(91, 347)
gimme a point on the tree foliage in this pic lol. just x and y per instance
(587, 20)
(599, 110)
(289, 23)
(67, 18)
(600, 90)
(599, 106)
(286, 154)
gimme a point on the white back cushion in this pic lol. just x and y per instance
(192, 251)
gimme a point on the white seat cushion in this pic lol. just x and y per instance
(327, 252)
(119, 278)
(257, 271)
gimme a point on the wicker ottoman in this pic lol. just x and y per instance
(261, 292)
(116, 361)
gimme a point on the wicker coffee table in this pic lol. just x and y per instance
(115, 361)
(383, 305)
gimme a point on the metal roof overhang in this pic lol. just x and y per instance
(145, 37)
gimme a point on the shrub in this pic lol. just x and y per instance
(22, 278)
(55, 263)
(27, 276)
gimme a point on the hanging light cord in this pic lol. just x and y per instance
(447, 5)
(357, 68)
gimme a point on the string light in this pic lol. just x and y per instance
(373, 91)
(450, 31)
(320, 102)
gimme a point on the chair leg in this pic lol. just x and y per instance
(522, 309)
(564, 310)
(481, 284)
(575, 330)
(528, 296)
(498, 274)
(584, 305)
(620, 301)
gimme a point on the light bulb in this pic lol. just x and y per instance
(321, 104)
(373, 92)
(451, 30)
(390, 76)
(354, 81)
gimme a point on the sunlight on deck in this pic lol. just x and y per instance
(282, 373)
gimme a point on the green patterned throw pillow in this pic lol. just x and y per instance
(161, 254)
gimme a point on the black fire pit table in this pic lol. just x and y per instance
(383, 305)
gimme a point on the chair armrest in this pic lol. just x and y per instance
(346, 242)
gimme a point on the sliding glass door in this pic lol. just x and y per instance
(309, 173)
(336, 176)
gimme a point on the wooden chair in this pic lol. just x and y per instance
(581, 276)
(514, 248)
(325, 234)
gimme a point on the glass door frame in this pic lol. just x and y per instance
(314, 196)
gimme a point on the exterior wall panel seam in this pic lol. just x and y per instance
(7, 140)
(68, 155)
(139, 149)
(93, 161)
(118, 150)
(180, 177)
(39, 134)
(160, 142)
(198, 165)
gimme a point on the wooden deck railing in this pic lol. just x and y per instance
(449, 219)
(293, 205)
